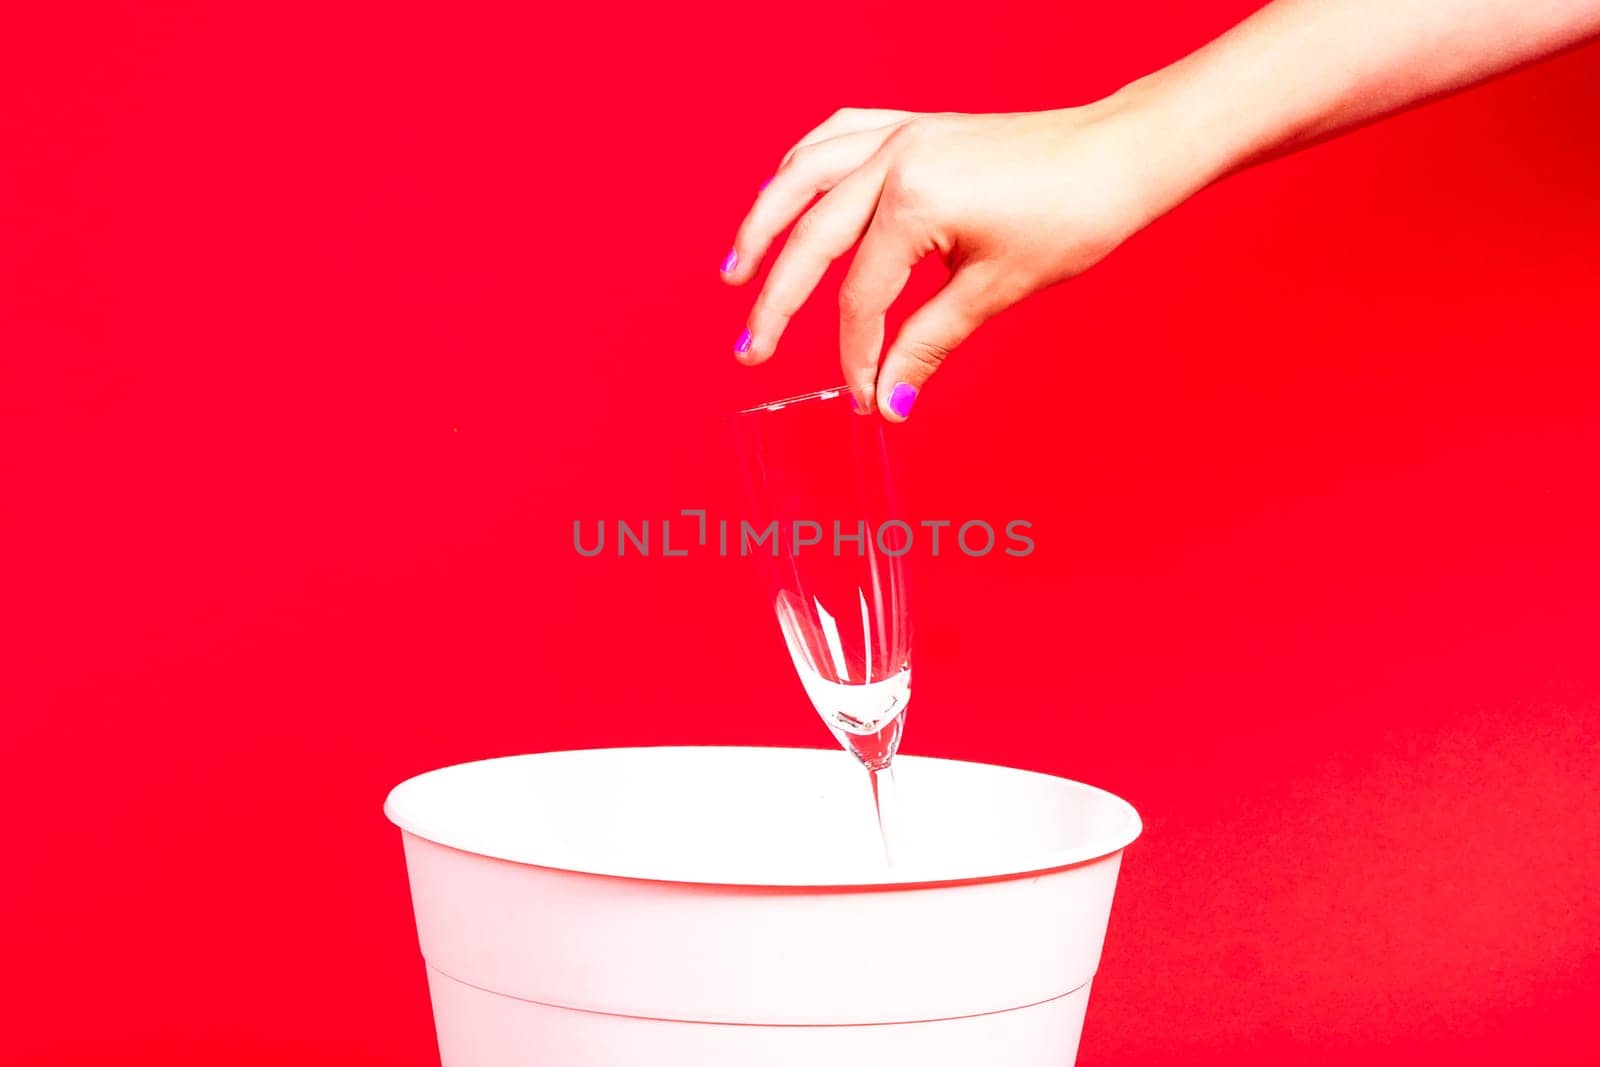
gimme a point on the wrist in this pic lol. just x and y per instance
(1181, 145)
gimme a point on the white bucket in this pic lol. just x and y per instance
(702, 907)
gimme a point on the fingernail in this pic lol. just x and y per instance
(900, 401)
(855, 405)
(742, 345)
(765, 184)
(730, 261)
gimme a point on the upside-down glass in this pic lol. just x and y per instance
(820, 490)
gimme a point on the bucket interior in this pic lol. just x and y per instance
(761, 816)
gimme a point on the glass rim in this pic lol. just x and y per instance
(832, 392)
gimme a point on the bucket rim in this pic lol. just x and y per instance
(403, 808)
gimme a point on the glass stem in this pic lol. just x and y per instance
(883, 803)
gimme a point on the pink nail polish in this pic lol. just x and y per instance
(901, 399)
(730, 261)
(742, 345)
(764, 184)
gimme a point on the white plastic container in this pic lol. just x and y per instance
(713, 907)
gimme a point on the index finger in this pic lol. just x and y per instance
(825, 234)
(812, 171)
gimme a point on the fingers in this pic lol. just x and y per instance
(810, 172)
(930, 334)
(877, 276)
(825, 233)
(850, 120)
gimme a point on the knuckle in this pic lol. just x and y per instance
(907, 189)
(902, 188)
(852, 301)
(795, 158)
(771, 308)
(911, 173)
(916, 133)
(806, 230)
(928, 355)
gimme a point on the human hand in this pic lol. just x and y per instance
(1012, 203)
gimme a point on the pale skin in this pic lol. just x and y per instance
(1015, 203)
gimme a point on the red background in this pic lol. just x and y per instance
(318, 328)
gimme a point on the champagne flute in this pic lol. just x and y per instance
(820, 488)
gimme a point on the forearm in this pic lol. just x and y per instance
(1300, 70)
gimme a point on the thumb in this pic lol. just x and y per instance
(928, 335)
